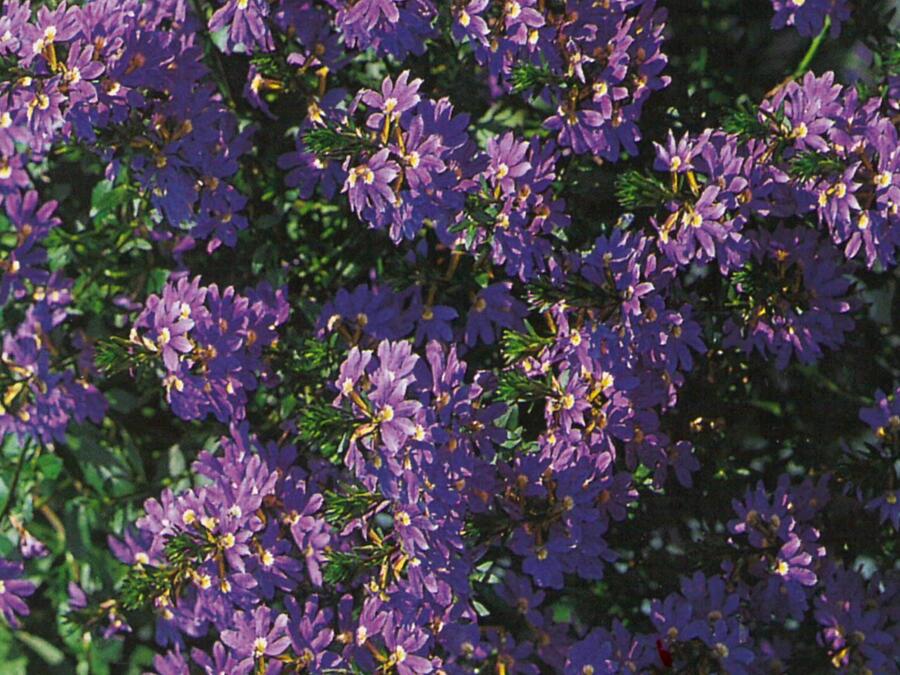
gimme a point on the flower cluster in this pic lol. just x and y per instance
(512, 428)
(717, 185)
(124, 78)
(594, 64)
(252, 531)
(810, 17)
(842, 157)
(404, 167)
(884, 420)
(829, 153)
(797, 298)
(211, 344)
(40, 397)
(412, 164)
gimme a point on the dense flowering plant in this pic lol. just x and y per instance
(466, 336)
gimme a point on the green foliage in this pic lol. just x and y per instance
(72, 494)
(350, 503)
(328, 143)
(636, 189)
(325, 428)
(515, 387)
(516, 345)
(527, 76)
(744, 121)
(811, 164)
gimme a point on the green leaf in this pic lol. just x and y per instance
(639, 190)
(177, 462)
(50, 466)
(50, 654)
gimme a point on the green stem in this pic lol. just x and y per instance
(15, 482)
(813, 49)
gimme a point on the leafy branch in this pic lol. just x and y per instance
(812, 164)
(326, 428)
(635, 190)
(516, 345)
(327, 143)
(527, 76)
(144, 584)
(515, 386)
(353, 503)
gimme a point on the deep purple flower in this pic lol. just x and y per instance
(808, 16)
(369, 184)
(808, 308)
(394, 99)
(494, 309)
(257, 636)
(507, 161)
(246, 23)
(12, 589)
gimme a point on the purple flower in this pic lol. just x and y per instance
(220, 661)
(507, 161)
(246, 24)
(311, 634)
(435, 323)
(394, 99)
(887, 504)
(12, 589)
(312, 538)
(392, 411)
(171, 663)
(256, 636)
(396, 27)
(675, 156)
(808, 16)
(593, 654)
(30, 546)
(369, 184)
(700, 231)
(494, 308)
(854, 618)
(403, 643)
(469, 23)
(799, 306)
(793, 563)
